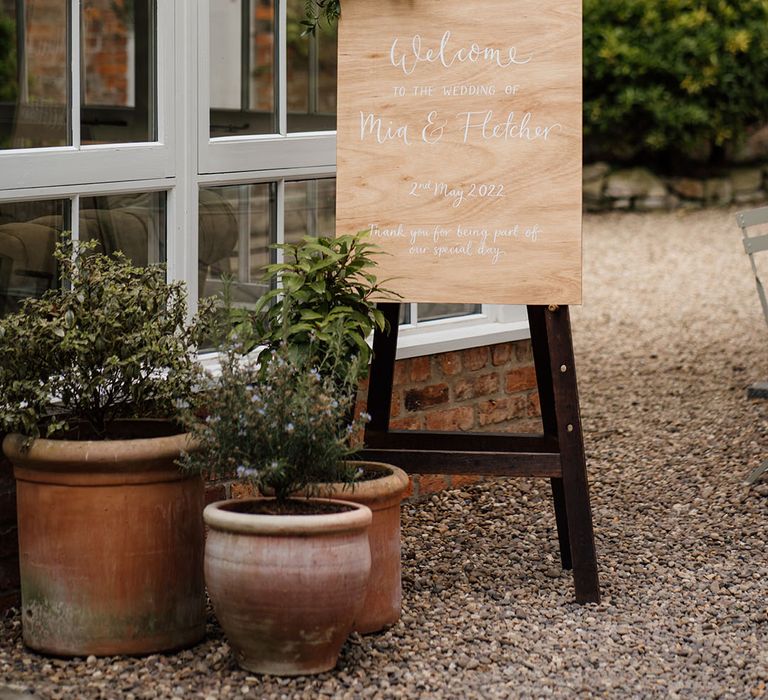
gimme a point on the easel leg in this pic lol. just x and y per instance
(383, 370)
(561, 517)
(574, 482)
(543, 365)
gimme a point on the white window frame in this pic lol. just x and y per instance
(185, 158)
(78, 165)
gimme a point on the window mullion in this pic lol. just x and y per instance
(244, 234)
(245, 55)
(314, 78)
(279, 218)
(75, 58)
(74, 213)
(281, 59)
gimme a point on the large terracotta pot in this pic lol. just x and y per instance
(110, 545)
(286, 588)
(383, 496)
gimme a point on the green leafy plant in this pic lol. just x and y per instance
(112, 342)
(323, 309)
(317, 10)
(670, 80)
(282, 427)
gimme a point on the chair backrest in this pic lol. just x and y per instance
(753, 244)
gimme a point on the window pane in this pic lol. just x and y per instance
(133, 223)
(34, 86)
(433, 312)
(310, 209)
(118, 71)
(28, 234)
(235, 232)
(242, 93)
(311, 74)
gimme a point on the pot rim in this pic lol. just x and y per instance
(358, 517)
(391, 486)
(92, 454)
(98, 462)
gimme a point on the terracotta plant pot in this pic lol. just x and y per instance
(110, 545)
(383, 496)
(286, 588)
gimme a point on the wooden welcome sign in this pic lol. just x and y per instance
(459, 146)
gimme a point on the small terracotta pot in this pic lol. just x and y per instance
(286, 588)
(110, 545)
(383, 496)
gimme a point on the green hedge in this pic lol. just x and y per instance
(672, 79)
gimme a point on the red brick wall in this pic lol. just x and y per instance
(491, 388)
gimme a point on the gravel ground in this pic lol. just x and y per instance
(669, 336)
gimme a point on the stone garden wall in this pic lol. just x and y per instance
(608, 188)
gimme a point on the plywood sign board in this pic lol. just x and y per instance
(459, 146)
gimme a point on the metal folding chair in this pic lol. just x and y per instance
(749, 221)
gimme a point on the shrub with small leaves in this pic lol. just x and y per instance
(282, 428)
(112, 342)
(665, 79)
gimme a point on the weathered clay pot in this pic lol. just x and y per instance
(286, 588)
(383, 496)
(110, 545)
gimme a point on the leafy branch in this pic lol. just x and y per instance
(317, 10)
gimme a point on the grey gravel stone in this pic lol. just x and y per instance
(669, 336)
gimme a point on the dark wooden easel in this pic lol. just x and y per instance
(557, 453)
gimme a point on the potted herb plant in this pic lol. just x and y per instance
(110, 529)
(286, 576)
(322, 308)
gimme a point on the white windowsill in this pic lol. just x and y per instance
(418, 344)
(450, 339)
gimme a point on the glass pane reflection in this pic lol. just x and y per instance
(34, 70)
(310, 209)
(242, 71)
(434, 312)
(311, 73)
(28, 234)
(118, 74)
(235, 232)
(133, 223)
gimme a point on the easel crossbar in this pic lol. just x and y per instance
(461, 442)
(539, 464)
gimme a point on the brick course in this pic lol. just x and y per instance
(491, 388)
